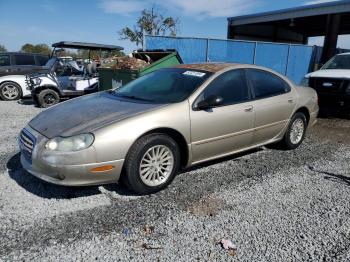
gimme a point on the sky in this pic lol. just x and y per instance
(99, 21)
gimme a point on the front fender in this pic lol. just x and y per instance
(113, 142)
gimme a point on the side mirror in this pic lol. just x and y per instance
(209, 102)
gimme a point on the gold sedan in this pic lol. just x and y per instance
(145, 131)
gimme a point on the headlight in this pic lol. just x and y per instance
(73, 143)
(305, 82)
(35, 81)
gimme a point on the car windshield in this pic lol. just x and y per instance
(169, 85)
(338, 62)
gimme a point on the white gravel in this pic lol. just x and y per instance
(273, 205)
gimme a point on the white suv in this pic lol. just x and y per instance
(332, 83)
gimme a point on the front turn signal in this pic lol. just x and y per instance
(101, 169)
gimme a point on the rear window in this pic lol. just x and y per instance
(266, 84)
(4, 60)
(42, 59)
(24, 60)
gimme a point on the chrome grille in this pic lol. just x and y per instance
(27, 143)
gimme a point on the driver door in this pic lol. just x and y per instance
(228, 127)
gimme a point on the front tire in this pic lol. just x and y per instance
(295, 133)
(151, 164)
(47, 98)
(10, 91)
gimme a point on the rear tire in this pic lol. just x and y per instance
(47, 98)
(295, 133)
(151, 164)
(10, 91)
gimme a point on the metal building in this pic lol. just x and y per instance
(295, 25)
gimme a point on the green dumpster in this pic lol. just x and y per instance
(159, 60)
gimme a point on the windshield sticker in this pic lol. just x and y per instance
(194, 73)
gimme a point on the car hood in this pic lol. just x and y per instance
(331, 73)
(86, 114)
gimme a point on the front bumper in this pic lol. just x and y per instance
(68, 168)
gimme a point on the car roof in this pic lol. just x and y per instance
(209, 67)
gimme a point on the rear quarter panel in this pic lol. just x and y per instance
(19, 79)
(307, 97)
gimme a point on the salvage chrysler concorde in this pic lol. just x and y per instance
(144, 132)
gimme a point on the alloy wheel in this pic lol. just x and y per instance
(297, 131)
(49, 99)
(10, 92)
(156, 165)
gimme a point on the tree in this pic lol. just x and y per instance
(150, 22)
(40, 49)
(3, 48)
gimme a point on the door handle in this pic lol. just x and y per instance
(290, 100)
(248, 109)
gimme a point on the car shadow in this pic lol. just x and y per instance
(46, 190)
(27, 102)
(332, 176)
(222, 159)
(337, 178)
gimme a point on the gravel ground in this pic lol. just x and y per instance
(273, 205)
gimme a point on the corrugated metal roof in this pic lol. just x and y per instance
(302, 11)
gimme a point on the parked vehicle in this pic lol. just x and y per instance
(66, 79)
(13, 87)
(144, 131)
(332, 83)
(13, 68)
(14, 63)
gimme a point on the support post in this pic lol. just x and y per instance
(254, 57)
(287, 62)
(207, 51)
(331, 37)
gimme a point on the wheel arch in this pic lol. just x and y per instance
(37, 90)
(178, 138)
(305, 111)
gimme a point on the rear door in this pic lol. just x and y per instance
(24, 64)
(225, 128)
(274, 102)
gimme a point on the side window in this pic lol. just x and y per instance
(4, 60)
(42, 59)
(231, 86)
(266, 84)
(24, 60)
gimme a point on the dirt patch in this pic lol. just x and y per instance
(332, 130)
(207, 206)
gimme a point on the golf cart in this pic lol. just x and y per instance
(65, 78)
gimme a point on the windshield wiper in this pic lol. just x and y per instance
(135, 97)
